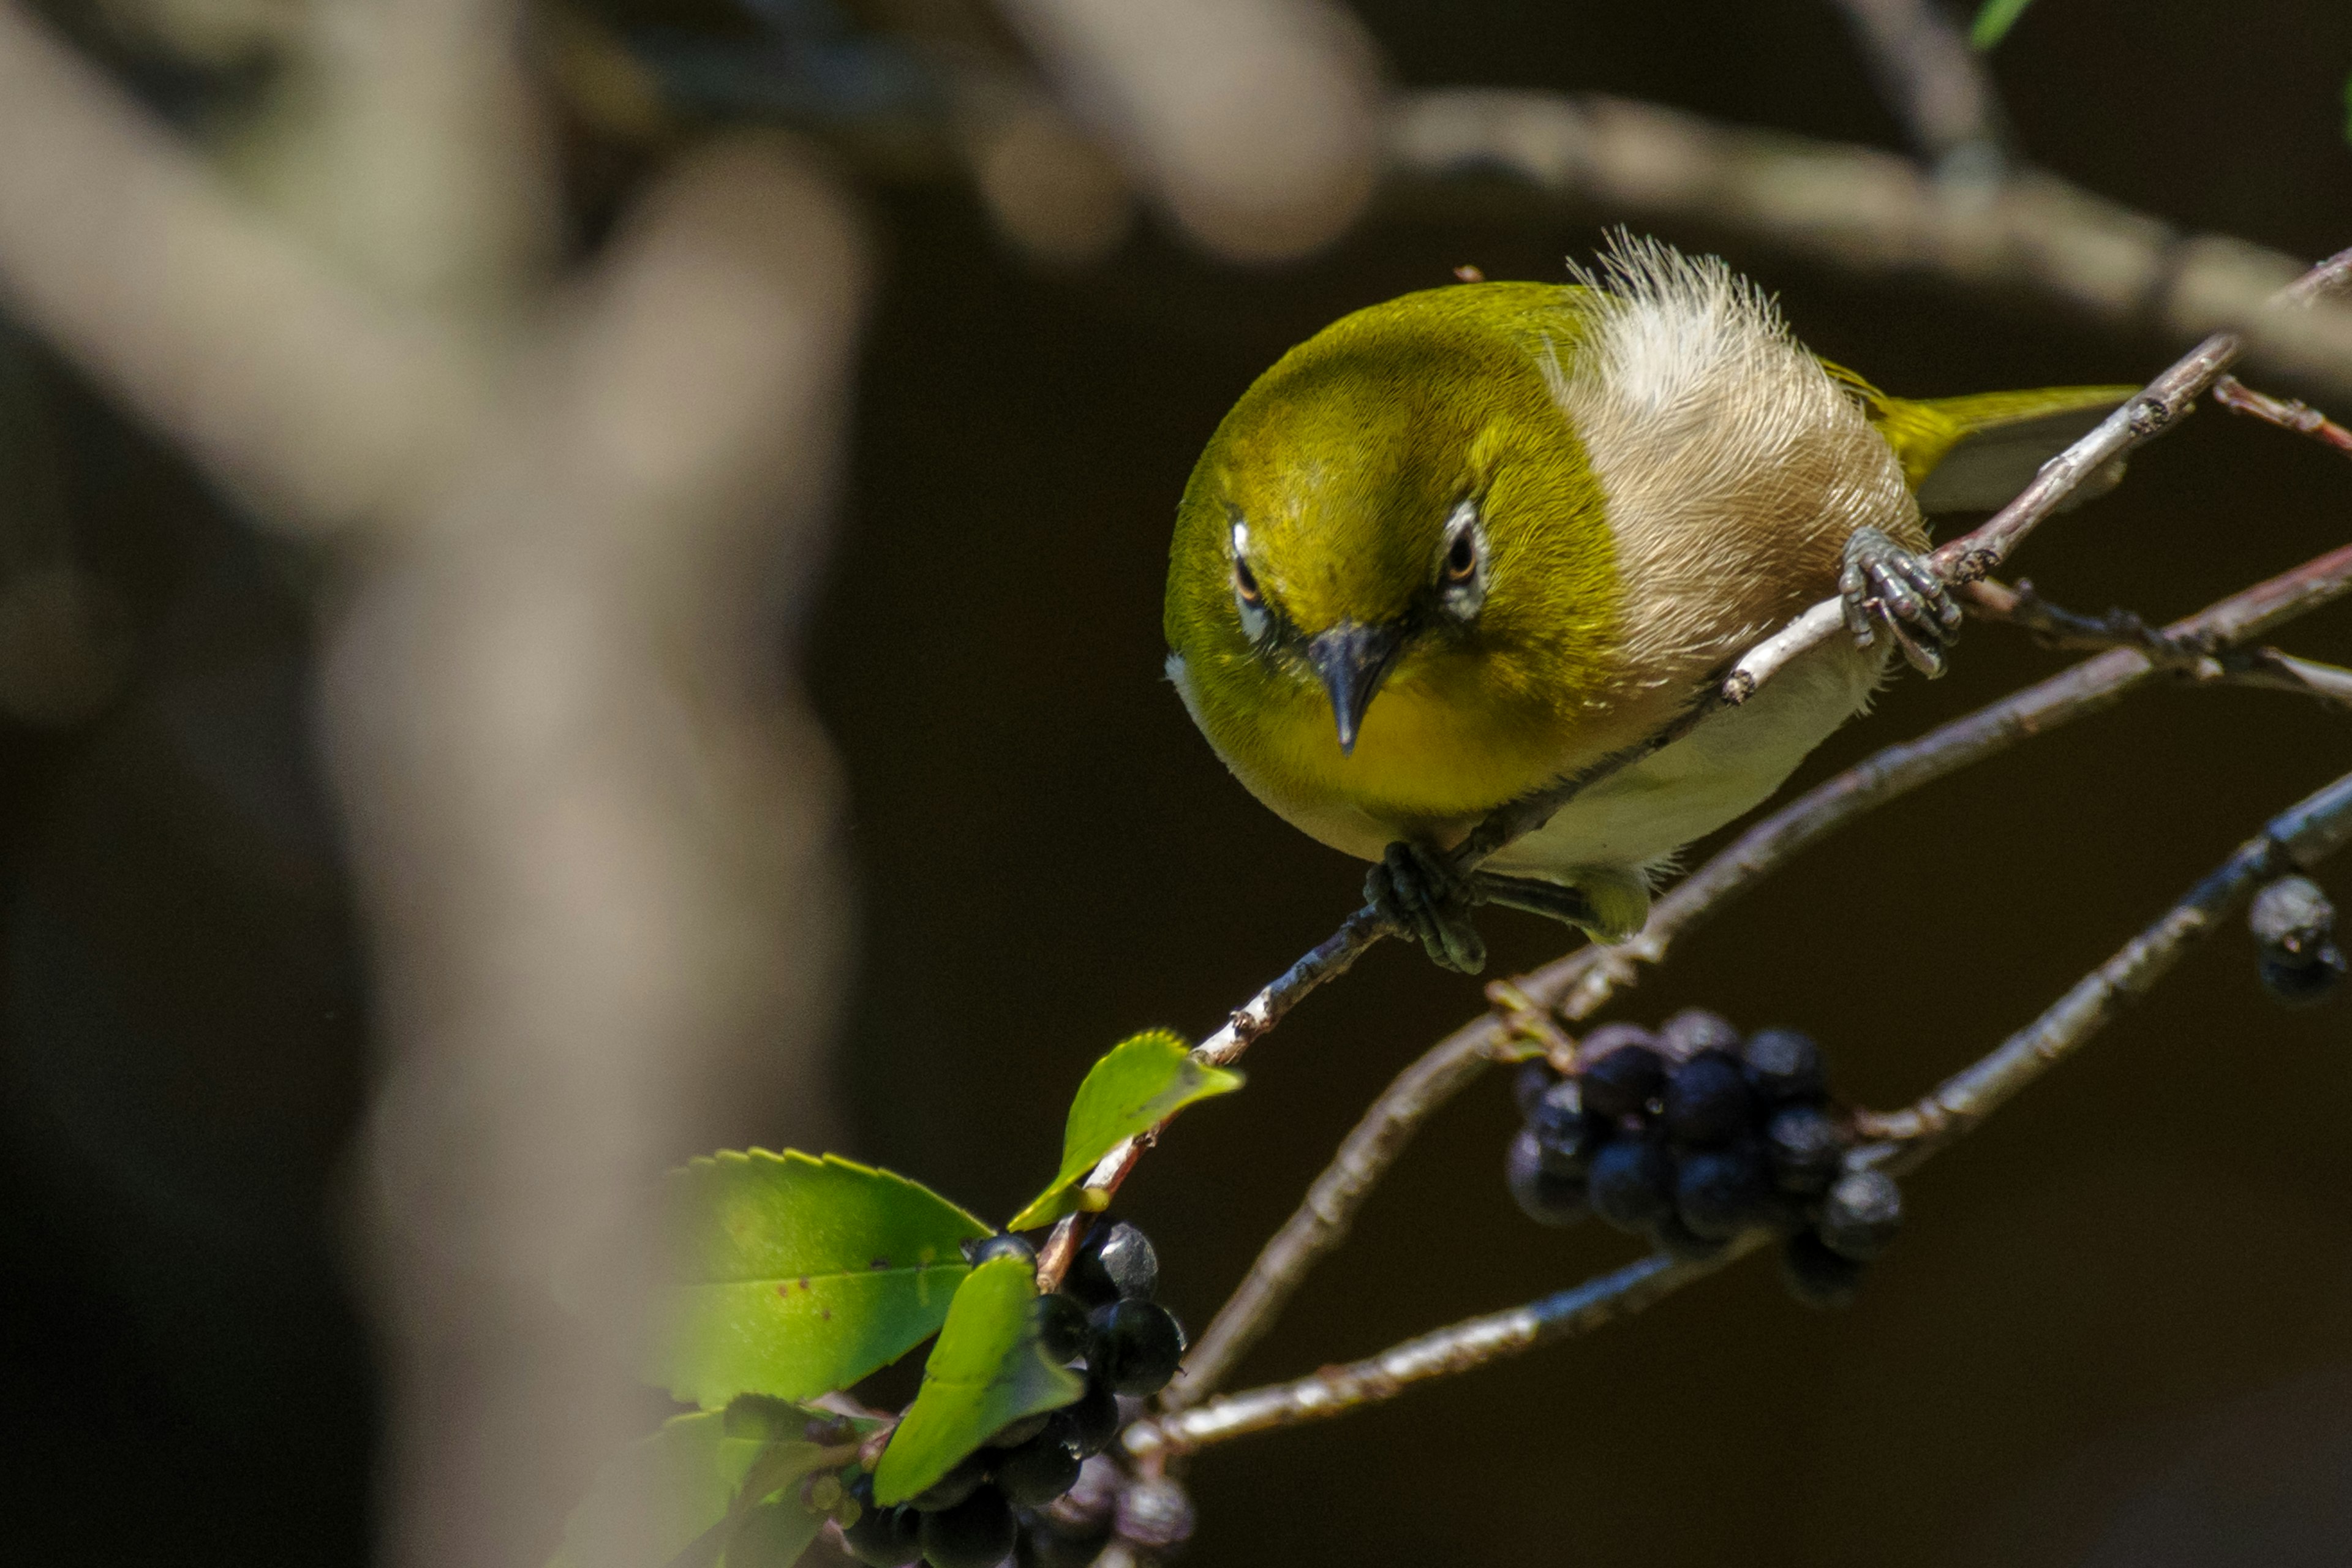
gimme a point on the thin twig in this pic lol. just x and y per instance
(2297, 839)
(1580, 984)
(1964, 560)
(1935, 83)
(2284, 412)
(2196, 659)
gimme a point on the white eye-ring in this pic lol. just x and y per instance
(1462, 562)
(1248, 597)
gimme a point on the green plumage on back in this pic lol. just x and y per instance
(1974, 453)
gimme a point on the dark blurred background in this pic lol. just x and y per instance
(2118, 1329)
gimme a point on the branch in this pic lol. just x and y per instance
(2297, 839)
(1581, 983)
(1855, 208)
(118, 243)
(1964, 559)
(1936, 84)
(2285, 412)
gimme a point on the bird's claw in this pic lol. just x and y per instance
(1884, 585)
(1418, 894)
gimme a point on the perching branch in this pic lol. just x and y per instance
(1578, 985)
(2297, 839)
(1964, 559)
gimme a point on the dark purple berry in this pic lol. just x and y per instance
(1681, 1243)
(2302, 983)
(1560, 1129)
(1094, 1419)
(1005, 1244)
(1115, 1263)
(1816, 1276)
(1060, 1325)
(2291, 917)
(1542, 1196)
(1804, 1144)
(881, 1537)
(1622, 1079)
(1155, 1514)
(1038, 1472)
(1630, 1182)
(1783, 1065)
(1694, 1029)
(1707, 1101)
(1527, 1085)
(1861, 1216)
(952, 1487)
(977, 1532)
(1135, 1347)
(1041, 1546)
(1720, 1193)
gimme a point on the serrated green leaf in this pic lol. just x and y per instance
(985, 1373)
(672, 1490)
(1994, 19)
(1139, 1084)
(801, 1275)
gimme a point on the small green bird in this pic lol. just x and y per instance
(1465, 543)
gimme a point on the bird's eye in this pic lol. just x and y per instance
(1462, 558)
(1245, 582)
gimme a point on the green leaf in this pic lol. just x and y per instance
(801, 1275)
(1994, 19)
(672, 1491)
(1142, 1082)
(773, 1535)
(985, 1373)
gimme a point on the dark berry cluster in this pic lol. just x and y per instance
(1038, 1486)
(2294, 927)
(1691, 1135)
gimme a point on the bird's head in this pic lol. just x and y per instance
(1391, 564)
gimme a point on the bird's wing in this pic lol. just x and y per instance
(1975, 453)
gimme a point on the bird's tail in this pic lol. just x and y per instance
(1975, 453)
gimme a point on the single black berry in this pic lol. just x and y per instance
(1562, 1131)
(1084, 1513)
(881, 1537)
(1543, 1196)
(1630, 1182)
(2301, 983)
(1720, 1193)
(1783, 1065)
(1094, 1419)
(1622, 1079)
(1041, 1546)
(2291, 917)
(1861, 1216)
(952, 1487)
(1694, 1029)
(1527, 1085)
(1005, 1244)
(1707, 1101)
(1679, 1242)
(1061, 1324)
(1115, 1263)
(1039, 1470)
(1816, 1276)
(1135, 1347)
(975, 1534)
(1803, 1144)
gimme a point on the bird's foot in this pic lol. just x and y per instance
(1609, 906)
(1420, 895)
(1884, 585)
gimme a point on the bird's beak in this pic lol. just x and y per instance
(1352, 660)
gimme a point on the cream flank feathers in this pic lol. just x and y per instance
(1735, 470)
